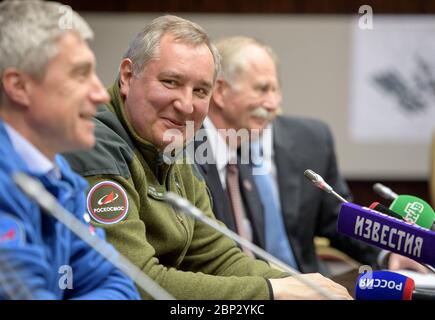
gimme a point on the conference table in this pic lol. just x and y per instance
(347, 280)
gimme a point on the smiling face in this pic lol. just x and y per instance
(61, 106)
(172, 89)
(253, 98)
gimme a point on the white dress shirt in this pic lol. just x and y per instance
(222, 153)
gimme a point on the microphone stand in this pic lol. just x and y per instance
(35, 190)
(184, 205)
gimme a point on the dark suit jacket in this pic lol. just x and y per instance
(299, 144)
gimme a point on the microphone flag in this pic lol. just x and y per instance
(386, 232)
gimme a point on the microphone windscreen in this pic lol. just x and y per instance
(387, 233)
(384, 285)
(415, 210)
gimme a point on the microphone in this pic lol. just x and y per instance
(383, 209)
(387, 285)
(388, 233)
(353, 218)
(184, 205)
(36, 191)
(384, 191)
(318, 181)
(412, 209)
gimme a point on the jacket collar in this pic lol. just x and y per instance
(13, 162)
(289, 168)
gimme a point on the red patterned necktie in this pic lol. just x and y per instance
(233, 190)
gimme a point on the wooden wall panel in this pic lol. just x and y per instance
(256, 6)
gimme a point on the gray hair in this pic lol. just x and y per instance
(146, 45)
(29, 31)
(232, 51)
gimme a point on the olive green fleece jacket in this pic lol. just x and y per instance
(186, 257)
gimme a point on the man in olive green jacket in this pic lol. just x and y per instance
(165, 81)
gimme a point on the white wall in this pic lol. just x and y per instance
(314, 53)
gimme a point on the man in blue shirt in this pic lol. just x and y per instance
(49, 93)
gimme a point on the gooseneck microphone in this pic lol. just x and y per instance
(318, 181)
(35, 190)
(184, 205)
(384, 191)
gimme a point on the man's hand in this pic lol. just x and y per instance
(292, 289)
(398, 262)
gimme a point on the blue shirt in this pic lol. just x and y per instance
(36, 162)
(35, 248)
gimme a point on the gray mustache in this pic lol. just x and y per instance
(261, 112)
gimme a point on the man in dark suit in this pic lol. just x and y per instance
(247, 97)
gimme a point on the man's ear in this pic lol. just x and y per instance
(125, 75)
(16, 86)
(219, 92)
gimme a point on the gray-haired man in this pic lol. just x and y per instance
(48, 96)
(165, 80)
